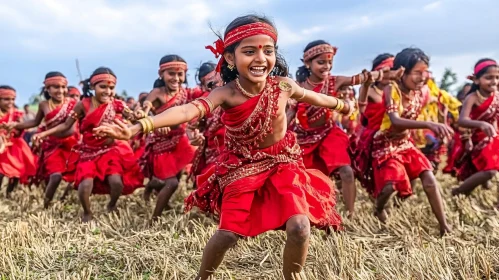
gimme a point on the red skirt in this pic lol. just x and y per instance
(17, 161)
(265, 201)
(328, 154)
(400, 169)
(168, 164)
(119, 160)
(58, 158)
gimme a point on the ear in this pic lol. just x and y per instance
(230, 58)
(159, 74)
(307, 64)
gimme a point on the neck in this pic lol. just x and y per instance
(56, 102)
(171, 92)
(314, 79)
(403, 88)
(484, 93)
(250, 87)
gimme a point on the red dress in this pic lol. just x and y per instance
(362, 151)
(485, 153)
(254, 189)
(56, 155)
(17, 160)
(325, 147)
(214, 134)
(395, 158)
(166, 155)
(97, 160)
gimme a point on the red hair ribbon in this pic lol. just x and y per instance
(101, 78)
(52, 81)
(7, 93)
(74, 91)
(174, 64)
(238, 34)
(318, 50)
(484, 64)
(385, 63)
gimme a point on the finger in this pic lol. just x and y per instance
(121, 123)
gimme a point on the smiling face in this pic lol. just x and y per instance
(104, 91)
(57, 91)
(488, 82)
(320, 66)
(7, 103)
(173, 78)
(254, 58)
(415, 79)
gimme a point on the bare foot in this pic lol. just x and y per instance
(382, 216)
(87, 218)
(147, 195)
(444, 230)
(8, 195)
(111, 208)
(46, 203)
(350, 215)
(455, 191)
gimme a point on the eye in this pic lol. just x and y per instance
(248, 52)
(269, 51)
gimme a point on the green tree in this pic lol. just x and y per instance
(35, 99)
(124, 94)
(448, 80)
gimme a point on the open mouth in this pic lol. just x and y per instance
(258, 70)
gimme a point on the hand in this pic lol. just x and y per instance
(394, 75)
(117, 130)
(441, 130)
(8, 126)
(468, 145)
(162, 130)
(37, 139)
(488, 129)
(196, 138)
(139, 114)
(370, 80)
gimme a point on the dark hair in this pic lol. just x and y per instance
(142, 97)
(159, 83)
(280, 68)
(474, 86)
(7, 87)
(379, 59)
(51, 74)
(205, 69)
(86, 83)
(303, 72)
(461, 94)
(408, 58)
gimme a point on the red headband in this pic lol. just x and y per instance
(484, 64)
(55, 81)
(318, 50)
(101, 78)
(238, 34)
(74, 90)
(179, 65)
(6, 93)
(385, 63)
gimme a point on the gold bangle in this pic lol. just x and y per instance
(143, 125)
(210, 104)
(380, 75)
(200, 107)
(340, 105)
(303, 95)
(150, 123)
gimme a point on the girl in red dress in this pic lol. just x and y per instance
(74, 93)
(259, 182)
(324, 144)
(167, 150)
(17, 162)
(55, 160)
(207, 133)
(396, 161)
(480, 113)
(105, 165)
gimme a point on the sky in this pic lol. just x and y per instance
(130, 37)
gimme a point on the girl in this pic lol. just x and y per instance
(105, 166)
(371, 107)
(324, 144)
(211, 138)
(56, 161)
(17, 162)
(396, 161)
(168, 150)
(74, 93)
(479, 113)
(259, 182)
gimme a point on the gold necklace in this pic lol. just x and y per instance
(243, 91)
(481, 98)
(52, 105)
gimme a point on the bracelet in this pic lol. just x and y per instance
(304, 94)
(380, 75)
(201, 108)
(147, 125)
(339, 106)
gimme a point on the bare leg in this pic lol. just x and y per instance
(171, 185)
(53, 184)
(433, 193)
(153, 184)
(68, 189)
(84, 192)
(348, 187)
(214, 252)
(1, 180)
(13, 182)
(381, 201)
(116, 187)
(296, 248)
(474, 181)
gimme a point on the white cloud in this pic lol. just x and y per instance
(433, 6)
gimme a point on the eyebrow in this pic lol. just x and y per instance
(255, 47)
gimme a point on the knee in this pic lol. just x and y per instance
(85, 187)
(156, 183)
(429, 182)
(56, 178)
(346, 173)
(115, 181)
(226, 239)
(298, 229)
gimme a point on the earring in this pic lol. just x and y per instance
(231, 67)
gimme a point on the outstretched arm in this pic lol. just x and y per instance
(68, 124)
(33, 122)
(361, 78)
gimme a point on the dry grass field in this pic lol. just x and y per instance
(53, 244)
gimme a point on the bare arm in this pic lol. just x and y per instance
(34, 122)
(363, 95)
(398, 122)
(68, 124)
(464, 117)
